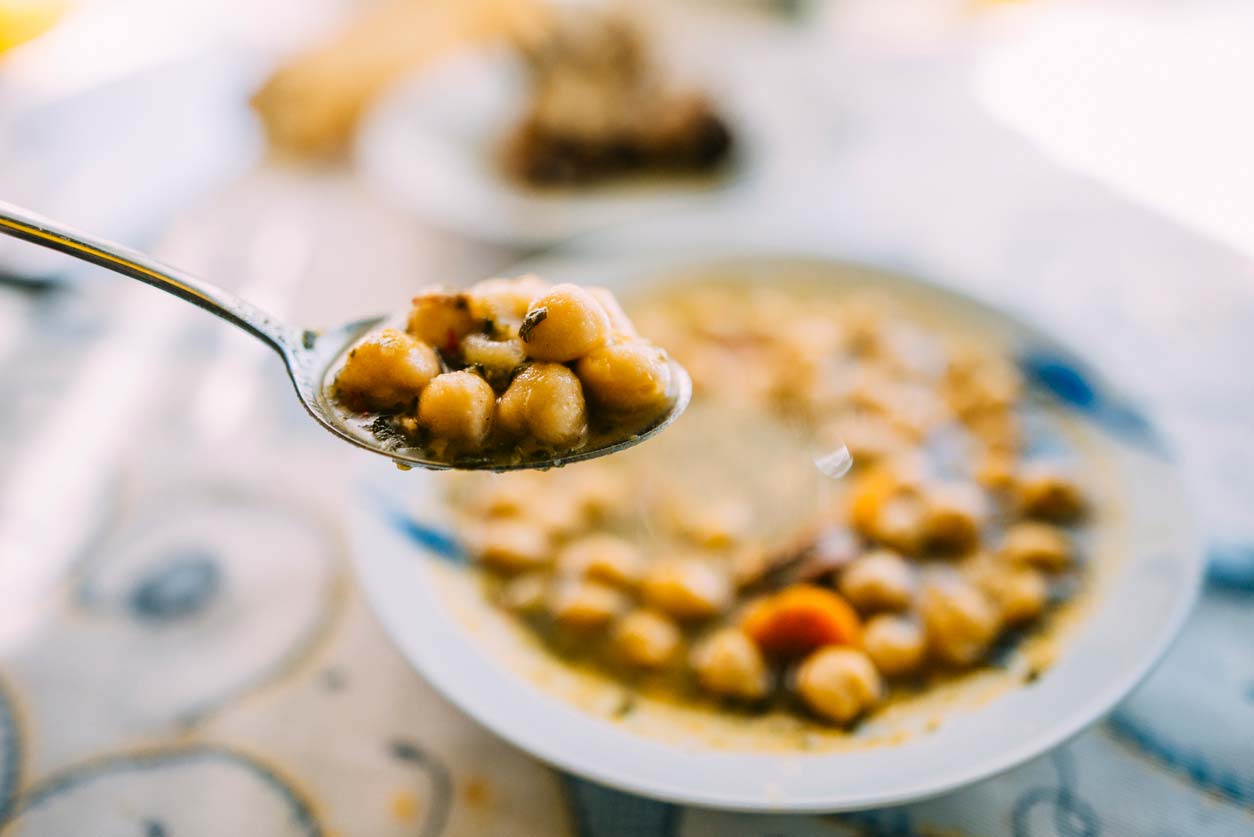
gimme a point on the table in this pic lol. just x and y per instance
(183, 651)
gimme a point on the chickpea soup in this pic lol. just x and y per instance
(717, 569)
(507, 372)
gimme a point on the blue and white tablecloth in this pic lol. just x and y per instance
(183, 651)
(208, 668)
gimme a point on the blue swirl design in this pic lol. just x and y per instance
(285, 666)
(186, 578)
(441, 784)
(1190, 718)
(604, 812)
(1188, 764)
(1073, 817)
(1061, 378)
(182, 587)
(64, 781)
(10, 752)
(1231, 566)
(882, 822)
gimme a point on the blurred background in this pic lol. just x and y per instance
(182, 649)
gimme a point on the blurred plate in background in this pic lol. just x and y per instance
(122, 158)
(431, 145)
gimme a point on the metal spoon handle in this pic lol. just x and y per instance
(29, 226)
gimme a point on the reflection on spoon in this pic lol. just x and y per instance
(836, 463)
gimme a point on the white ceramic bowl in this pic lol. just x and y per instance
(1141, 591)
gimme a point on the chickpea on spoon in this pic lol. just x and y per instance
(509, 374)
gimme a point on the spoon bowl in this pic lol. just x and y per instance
(308, 354)
(314, 392)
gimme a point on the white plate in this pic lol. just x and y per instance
(430, 144)
(1138, 599)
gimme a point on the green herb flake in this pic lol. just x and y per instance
(534, 317)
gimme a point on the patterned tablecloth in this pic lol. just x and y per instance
(183, 651)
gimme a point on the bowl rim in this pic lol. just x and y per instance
(1189, 564)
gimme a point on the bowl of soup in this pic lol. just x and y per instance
(712, 619)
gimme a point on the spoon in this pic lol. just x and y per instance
(308, 354)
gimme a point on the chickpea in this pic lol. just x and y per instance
(621, 325)
(687, 588)
(582, 605)
(833, 549)
(912, 408)
(879, 580)
(885, 505)
(386, 371)
(555, 511)
(954, 514)
(632, 377)
(961, 623)
(728, 664)
(457, 406)
(713, 524)
(498, 357)
(912, 353)
(1019, 593)
(995, 470)
(600, 490)
(872, 388)
(1042, 490)
(564, 323)
(526, 594)
(811, 336)
(1038, 545)
(749, 563)
(602, 557)
(750, 387)
(868, 437)
(504, 495)
(895, 644)
(511, 545)
(863, 319)
(441, 318)
(1001, 382)
(546, 402)
(977, 381)
(871, 490)
(900, 523)
(646, 639)
(505, 300)
(839, 683)
(998, 430)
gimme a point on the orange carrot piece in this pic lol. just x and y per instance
(799, 619)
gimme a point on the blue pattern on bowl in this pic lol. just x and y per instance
(432, 538)
(1063, 378)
